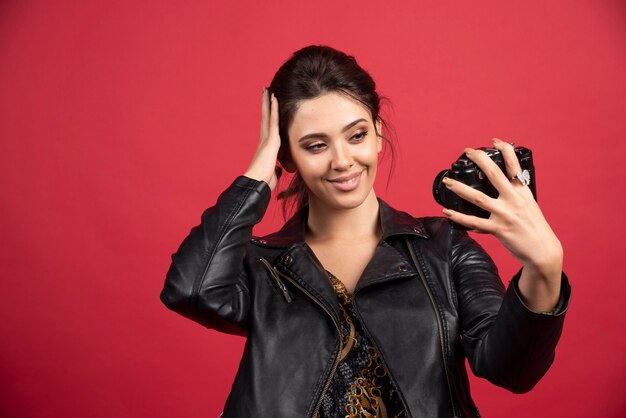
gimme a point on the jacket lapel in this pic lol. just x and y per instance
(299, 262)
(386, 264)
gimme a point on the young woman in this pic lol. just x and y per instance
(354, 308)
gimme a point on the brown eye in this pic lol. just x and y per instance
(315, 147)
(360, 135)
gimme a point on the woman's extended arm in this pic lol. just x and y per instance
(509, 341)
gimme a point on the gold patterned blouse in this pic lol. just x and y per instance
(360, 386)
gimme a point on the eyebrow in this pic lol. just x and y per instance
(323, 135)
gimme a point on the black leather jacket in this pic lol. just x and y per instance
(429, 298)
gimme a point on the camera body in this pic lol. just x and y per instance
(466, 171)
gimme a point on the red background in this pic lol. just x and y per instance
(120, 122)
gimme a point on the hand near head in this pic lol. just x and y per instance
(263, 165)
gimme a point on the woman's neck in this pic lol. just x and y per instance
(331, 224)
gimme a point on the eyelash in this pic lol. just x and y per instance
(359, 136)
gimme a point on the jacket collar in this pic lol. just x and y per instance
(393, 222)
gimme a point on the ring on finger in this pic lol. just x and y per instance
(523, 176)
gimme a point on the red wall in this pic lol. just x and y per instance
(120, 123)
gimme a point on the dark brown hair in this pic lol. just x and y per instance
(309, 73)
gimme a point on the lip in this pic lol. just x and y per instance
(346, 178)
(347, 183)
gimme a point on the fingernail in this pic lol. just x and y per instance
(447, 181)
(273, 97)
(468, 151)
(264, 90)
(447, 212)
(496, 141)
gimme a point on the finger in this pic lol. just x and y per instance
(265, 114)
(273, 121)
(472, 195)
(474, 223)
(512, 166)
(491, 170)
(511, 163)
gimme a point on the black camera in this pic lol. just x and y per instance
(466, 171)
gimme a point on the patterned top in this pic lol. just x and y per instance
(360, 386)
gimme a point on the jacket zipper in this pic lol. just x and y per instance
(274, 271)
(279, 282)
(439, 325)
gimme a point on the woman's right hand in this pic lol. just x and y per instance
(263, 165)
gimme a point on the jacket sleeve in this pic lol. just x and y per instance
(207, 281)
(505, 342)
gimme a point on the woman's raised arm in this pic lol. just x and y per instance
(208, 280)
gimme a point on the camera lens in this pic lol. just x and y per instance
(439, 189)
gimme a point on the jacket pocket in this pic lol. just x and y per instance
(277, 283)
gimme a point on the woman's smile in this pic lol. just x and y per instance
(347, 183)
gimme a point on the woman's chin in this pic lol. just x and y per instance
(346, 199)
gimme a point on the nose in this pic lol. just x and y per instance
(341, 157)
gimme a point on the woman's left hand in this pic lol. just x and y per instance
(517, 222)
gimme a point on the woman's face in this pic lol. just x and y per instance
(334, 147)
